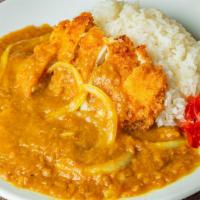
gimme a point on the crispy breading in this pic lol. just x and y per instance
(68, 34)
(63, 43)
(145, 87)
(122, 56)
(135, 85)
(142, 55)
(85, 58)
(87, 53)
(125, 73)
(118, 64)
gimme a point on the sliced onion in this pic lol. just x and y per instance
(69, 68)
(169, 144)
(198, 151)
(78, 100)
(74, 105)
(4, 60)
(26, 43)
(111, 166)
(112, 114)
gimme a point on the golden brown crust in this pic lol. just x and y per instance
(127, 73)
(88, 50)
(145, 87)
(122, 56)
(118, 64)
(136, 86)
(68, 34)
(63, 42)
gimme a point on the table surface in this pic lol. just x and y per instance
(193, 197)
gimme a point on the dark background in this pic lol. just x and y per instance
(193, 197)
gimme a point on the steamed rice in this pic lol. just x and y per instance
(169, 44)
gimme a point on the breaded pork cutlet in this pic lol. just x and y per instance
(125, 72)
(136, 86)
(61, 46)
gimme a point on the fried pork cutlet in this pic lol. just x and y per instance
(136, 86)
(89, 48)
(62, 46)
(145, 88)
(68, 34)
(109, 76)
(62, 82)
(123, 71)
(126, 73)
(84, 57)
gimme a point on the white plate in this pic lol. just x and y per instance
(15, 14)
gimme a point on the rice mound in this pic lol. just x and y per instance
(169, 45)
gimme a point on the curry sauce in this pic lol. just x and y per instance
(62, 156)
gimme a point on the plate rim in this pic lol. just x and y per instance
(184, 193)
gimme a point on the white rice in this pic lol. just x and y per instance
(168, 43)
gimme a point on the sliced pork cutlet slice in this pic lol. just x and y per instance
(136, 86)
(67, 35)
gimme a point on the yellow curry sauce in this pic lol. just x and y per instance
(47, 155)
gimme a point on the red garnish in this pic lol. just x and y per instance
(191, 124)
(192, 110)
(192, 132)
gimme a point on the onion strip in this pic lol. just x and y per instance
(107, 137)
(4, 60)
(78, 100)
(111, 166)
(110, 108)
(74, 105)
(198, 151)
(68, 166)
(169, 144)
(26, 43)
(69, 68)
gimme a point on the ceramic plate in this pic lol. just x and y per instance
(15, 14)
